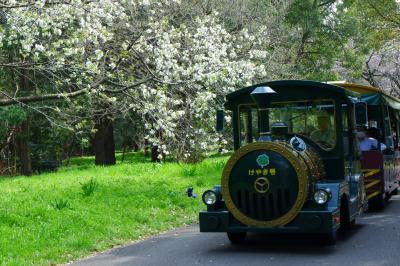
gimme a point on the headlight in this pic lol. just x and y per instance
(210, 197)
(321, 196)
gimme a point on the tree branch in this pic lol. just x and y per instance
(37, 98)
(383, 16)
(328, 2)
(9, 100)
(47, 3)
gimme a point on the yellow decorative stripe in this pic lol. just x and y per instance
(373, 194)
(373, 183)
(370, 172)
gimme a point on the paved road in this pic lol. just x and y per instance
(375, 240)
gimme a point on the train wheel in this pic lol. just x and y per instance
(388, 196)
(380, 203)
(237, 238)
(330, 238)
(345, 221)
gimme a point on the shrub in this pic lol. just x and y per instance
(189, 170)
(89, 187)
(61, 204)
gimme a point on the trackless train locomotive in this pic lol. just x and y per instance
(297, 166)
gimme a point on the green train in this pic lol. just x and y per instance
(296, 166)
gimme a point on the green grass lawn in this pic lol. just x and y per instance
(54, 218)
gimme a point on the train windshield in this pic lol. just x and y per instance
(313, 119)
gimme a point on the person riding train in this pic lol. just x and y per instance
(368, 141)
(324, 134)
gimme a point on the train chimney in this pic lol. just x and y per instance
(262, 97)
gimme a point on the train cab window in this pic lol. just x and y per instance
(313, 119)
(350, 140)
(254, 125)
(243, 122)
(248, 125)
(346, 131)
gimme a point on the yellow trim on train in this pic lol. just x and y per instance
(370, 172)
(373, 194)
(373, 183)
(356, 87)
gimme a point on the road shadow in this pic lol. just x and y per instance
(387, 207)
(300, 244)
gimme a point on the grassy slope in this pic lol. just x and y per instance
(134, 199)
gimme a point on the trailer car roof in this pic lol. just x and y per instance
(369, 94)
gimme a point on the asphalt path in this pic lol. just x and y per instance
(374, 240)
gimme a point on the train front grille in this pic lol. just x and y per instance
(267, 206)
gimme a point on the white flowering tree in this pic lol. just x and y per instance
(148, 57)
(194, 64)
(170, 63)
(199, 63)
(63, 49)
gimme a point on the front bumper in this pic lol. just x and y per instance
(305, 222)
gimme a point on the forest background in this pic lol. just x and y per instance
(82, 77)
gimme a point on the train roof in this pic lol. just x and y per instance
(370, 95)
(293, 90)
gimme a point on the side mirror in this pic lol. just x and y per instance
(361, 113)
(220, 120)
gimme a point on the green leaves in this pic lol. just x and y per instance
(10, 116)
(13, 115)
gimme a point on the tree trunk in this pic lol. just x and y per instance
(23, 149)
(146, 148)
(103, 142)
(154, 154)
(135, 146)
